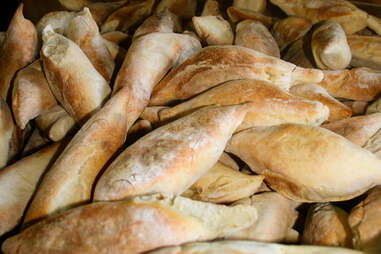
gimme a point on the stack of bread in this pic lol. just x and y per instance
(184, 126)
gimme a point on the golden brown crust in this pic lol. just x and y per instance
(18, 49)
(366, 51)
(70, 180)
(185, 9)
(299, 53)
(236, 14)
(337, 110)
(7, 133)
(217, 64)
(258, 6)
(362, 83)
(31, 95)
(214, 30)
(327, 225)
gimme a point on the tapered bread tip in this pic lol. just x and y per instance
(191, 145)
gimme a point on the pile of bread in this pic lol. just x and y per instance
(184, 126)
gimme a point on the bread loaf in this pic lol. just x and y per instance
(214, 30)
(365, 51)
(185, 9)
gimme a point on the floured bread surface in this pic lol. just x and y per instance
(214, 30)
(172, 157)
(306, 163)
(216, 64)
(74, 81)
(131, 226)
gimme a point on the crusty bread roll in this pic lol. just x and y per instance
(276, 217)
(361, 84)
(357, 129)
(214, 30)
(299, 54)
(307, 163)
(18, 183)
(365, 222)
(85, 33)
(366, 51)
(7, 133)
(216, 64)
(185, 9)
(148, 59)
(250, 247)
(128, 16)
(70, 180)
(259, 5)
(165, 22)
(18, 49)
(337, 110)
(130, 226)
(237, 14)
(330, 47)
(327, 224)
(72, 78)
(211, 8)
(99, 10)
(254, 35)
(270, 104)
(290, 29)
(345, 13)
(31, 95)
(171, 158)
(222, 184)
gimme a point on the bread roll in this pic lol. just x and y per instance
(214, 30)
(259, 5)
(18, 183)
(270, 104)
(165, 22)
(211, 8)
(361, 84)
(191, 145)
(337, 110)
(216, 64)
(237, 14)
(254, 35)
(327, 224)
(357, 129)
(250, 247)
(7, 129)
(306, 163)
(84, 32)
(128, 16)
(18, 49)
(70, 180)
(343, 12)
(365, 222)
(148, 59)
(366, 51)
(276, 216)
(31, 95)
(130, 226)
(185, 9)
(299, 54)
(290, 29)
(74, 81)
(99, 10)
(222, 184)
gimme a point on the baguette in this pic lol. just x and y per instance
(116, 37)
(18, 183)
(254, 35)
(270, 104)
(70, 180)
(211, 8)
(365, 51)
(258, 6)
(306, 163)
(327, 225)
(7, 134)
(299, 54)
(228, 161)
(18, 49)
(61, 128)
(374, 144)
(171, 158)
(130, 226)
(214, 30)
(185, 9)
(217, 64)
(358, 107)
(58, 20)
(237, 14)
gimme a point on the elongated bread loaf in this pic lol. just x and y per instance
(7, 133)
(214, 30)
(171, 158)
(366, 51)
(270, 104)
(18, 182)
(216, 64)
(130, 226)
(70, 180)
(306, 163)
